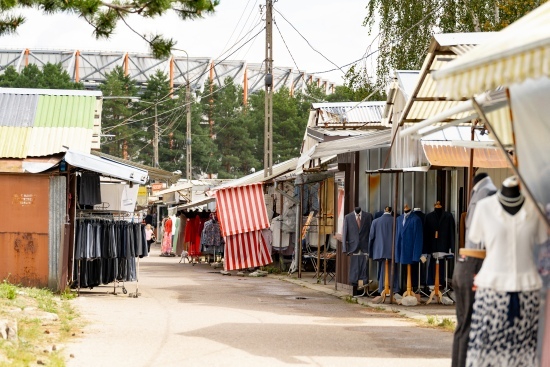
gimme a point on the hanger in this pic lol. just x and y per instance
(406, 208)
(438, 205)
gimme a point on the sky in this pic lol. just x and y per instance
(334, 28)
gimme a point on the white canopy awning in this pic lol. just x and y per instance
(106, 167)
(185, 186)
(197, 202)
(518, 52)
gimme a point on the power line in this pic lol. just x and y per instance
(310, 45)
(292, 57)
(164, 99)
(378, 49)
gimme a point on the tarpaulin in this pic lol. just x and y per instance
(241, 209)
(530, 110)
(246, 250)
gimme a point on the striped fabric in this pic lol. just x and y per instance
(246, 250)
(241, 209)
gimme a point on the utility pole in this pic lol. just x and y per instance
(156, 141)
(268, 131)
(188, 150)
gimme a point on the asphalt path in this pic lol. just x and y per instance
(194, 316)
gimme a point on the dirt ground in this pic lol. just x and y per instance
(194, 316)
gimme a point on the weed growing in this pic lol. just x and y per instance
(26, 308)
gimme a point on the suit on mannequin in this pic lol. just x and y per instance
(408, 246)
(439, 231)
(355, 240)
(380, 246)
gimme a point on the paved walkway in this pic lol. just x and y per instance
(194, 316)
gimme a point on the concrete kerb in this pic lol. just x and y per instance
(404, 311)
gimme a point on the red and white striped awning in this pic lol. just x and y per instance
(241, 209)
(246, 250)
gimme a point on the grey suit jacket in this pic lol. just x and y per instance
(380, 237)
(353, 237)
(484, 188)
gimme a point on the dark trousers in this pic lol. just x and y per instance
(149, 242)
(463, 281)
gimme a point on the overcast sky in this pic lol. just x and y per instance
(334, 28)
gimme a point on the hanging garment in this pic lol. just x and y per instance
(89, 192)
(380, 237)
(439, 232)
(408, 245)
(194, 245)
(181, 237)
(355, 238)
(176, 234)
(105, 251)
(211, 234)
(504, 329)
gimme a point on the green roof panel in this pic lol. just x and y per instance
(65, 111)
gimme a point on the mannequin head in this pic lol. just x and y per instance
(438, 208)
(357, 209)
(479, 177)
(510, 195)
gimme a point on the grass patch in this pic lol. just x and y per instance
(271, 269)
(7, 290)
(350, 299)
(26, 307)
(446, 323)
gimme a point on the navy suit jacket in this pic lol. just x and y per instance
(353, 237)
(408, 247)
(380, 237)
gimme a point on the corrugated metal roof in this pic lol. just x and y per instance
(50, 140)
(426, 100)
(352, 144)
(65, 111)
(52, 92)
(14, 141)
(154, 173)
(41, 122)
(256, 177)
(17, 110)
(446, 155)
(350, 114)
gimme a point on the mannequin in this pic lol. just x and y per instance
(468, 264)
(508, 283)
(380, 248)
(510, 197)
(439, 235)
(408, 245)
(355, 241)
(415, 219)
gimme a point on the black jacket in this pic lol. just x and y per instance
(439, 232)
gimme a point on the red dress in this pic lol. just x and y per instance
(194, 236)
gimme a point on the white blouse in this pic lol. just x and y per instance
(509, 264)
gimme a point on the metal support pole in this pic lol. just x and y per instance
(156, 141)
(513, 167)
(392, 271)
(268, 129)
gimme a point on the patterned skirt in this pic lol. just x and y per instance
(504, 329)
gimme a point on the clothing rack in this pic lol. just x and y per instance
(128, 244)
